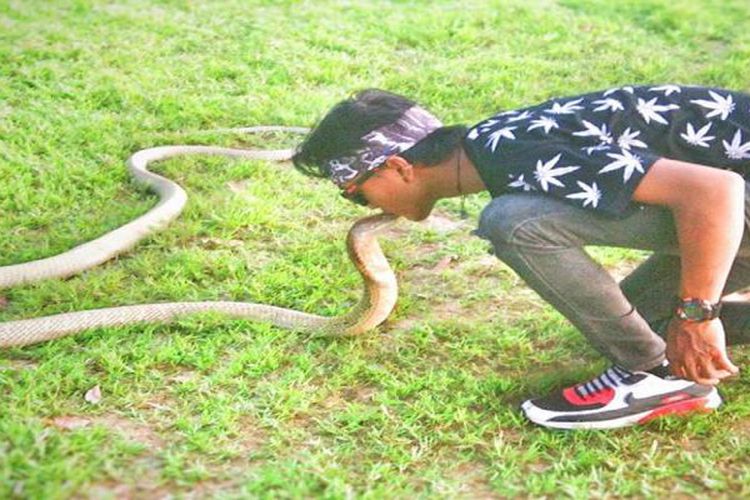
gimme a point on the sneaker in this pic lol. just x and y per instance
(619, 398)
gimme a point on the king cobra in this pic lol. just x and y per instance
(377, 302)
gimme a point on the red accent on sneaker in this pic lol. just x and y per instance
(679, 408)
(602, 397)
(675, 397)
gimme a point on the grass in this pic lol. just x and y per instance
(211, 407)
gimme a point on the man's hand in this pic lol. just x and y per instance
(697, 351)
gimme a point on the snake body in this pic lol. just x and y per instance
(377, 302)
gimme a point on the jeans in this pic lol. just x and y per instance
(542, 240)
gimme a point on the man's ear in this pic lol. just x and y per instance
(401, 166)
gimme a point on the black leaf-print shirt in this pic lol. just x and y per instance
(592, 150)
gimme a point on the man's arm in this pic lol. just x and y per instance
(708, 208)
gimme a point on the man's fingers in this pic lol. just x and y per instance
(710, 374)
(691, 372)
(722, 361)
(707, 381)
(677, 370)
(697, 352)
(700, 373)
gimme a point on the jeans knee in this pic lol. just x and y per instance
(531, 221)
(499, 220)
(526, 220)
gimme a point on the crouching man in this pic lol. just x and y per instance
(658, 168)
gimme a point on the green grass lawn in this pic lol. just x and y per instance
(209, 406)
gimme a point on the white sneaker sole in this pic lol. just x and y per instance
(544, 417)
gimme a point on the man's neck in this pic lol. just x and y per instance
(444, 179)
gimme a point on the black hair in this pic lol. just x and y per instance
(340, 133)
(437, 146)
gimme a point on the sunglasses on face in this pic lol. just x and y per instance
(352, 191)
(356, 197)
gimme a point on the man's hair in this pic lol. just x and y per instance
(340, 133)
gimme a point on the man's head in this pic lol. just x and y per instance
(370, 144)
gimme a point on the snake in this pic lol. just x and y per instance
(375, 305)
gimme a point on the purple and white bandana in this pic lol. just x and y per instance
(413, 126)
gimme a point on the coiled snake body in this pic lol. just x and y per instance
(377, 302)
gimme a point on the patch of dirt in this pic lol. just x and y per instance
(358, 394)
(442, 224)
(217, 243)
(438, 221)
(511, 435)
(443, 299)
(125, 491)
(184, 376)
(207, 489)
(473, 479)
(145, 467)
(161, 403)
(251, 437)
(691, 444)
(239, 187)
(742, 428)
(154, 491)
(122, 491)
(148, 485)
(441, 288)
(132, 430)
(70, 422)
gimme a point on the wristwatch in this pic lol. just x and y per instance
(695, 310)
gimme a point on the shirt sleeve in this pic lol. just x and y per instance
(600, 178)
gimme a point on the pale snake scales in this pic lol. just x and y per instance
(377, 302)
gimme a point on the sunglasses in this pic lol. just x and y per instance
(352, 192)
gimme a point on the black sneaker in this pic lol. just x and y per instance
(619, 398)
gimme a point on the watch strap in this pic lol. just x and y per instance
(694, 309)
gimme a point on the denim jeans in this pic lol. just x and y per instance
(542, 240)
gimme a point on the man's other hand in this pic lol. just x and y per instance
(697, 351)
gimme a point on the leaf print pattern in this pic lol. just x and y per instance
(592, 130)
(494, 137)
(599, 147)
(736, 150)
(590, 195)
(626, 161)
(521, 184)
(627, 89)
(485, 126)
(667, 89)
(608, 104)
(547, 174)
(719, 106)
(628, 139)
(698, 138)
(568, 108)
(519, 117)
(592, 150)
(650, 110)
(544, 122)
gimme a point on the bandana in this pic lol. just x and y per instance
(413, 126)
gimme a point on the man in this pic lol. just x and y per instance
(652, 167)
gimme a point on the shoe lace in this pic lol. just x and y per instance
(607, 380)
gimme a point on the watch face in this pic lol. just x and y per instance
(697, 310)
(694, 310)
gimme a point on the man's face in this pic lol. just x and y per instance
(394, 188)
